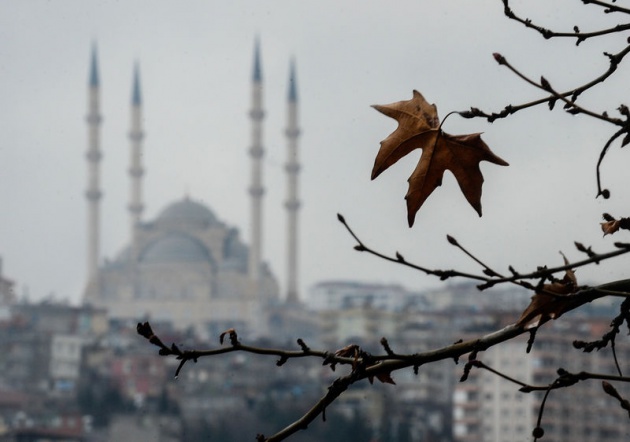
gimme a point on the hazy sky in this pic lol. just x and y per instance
(196, 59)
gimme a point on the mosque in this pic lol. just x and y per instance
(186, 266)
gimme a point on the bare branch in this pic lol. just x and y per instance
(579, 36)
(490, 277)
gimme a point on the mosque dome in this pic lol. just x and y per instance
(188, 212)
(176, 247)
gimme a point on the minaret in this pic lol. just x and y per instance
(292, 202)
(256, 151)
(93, 156)
(136, 170)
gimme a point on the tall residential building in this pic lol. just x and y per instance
(488, 408)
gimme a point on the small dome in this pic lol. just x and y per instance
(175, 248)
(189, 212)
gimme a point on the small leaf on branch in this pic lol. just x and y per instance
(349, 351)
(451, 240)
(419, 128)
(385, 378)
(359, 248)
(610, 227)
(626, 140)
(550, 301)
(232, 334)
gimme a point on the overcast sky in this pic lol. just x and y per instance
(196, 60)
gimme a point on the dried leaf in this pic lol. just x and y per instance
(230, 332)
(418, 128)
(348, 351)
(550, 302)
(610, 227)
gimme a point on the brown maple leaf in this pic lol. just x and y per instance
(419, 128)
(551, 302)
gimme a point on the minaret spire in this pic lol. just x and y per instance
(292, 202)
(93, 193)
(256, 152)
(136, 171)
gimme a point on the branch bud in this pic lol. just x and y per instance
(499, 58)
(545, 84)
(610, 390)
(538, 432)
(472, 113)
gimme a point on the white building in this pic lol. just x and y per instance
(340, 295)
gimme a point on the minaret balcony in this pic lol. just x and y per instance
(136, 136)
(257, 114)
(292, 132)
(136, 172)
(292, 204)
(136, 208)
(93, 194)
(93, 155)
(292, 167)
(256, 152)
(256, 191)
(94, 119)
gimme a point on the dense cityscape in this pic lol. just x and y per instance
(82, 373)
(74, 373)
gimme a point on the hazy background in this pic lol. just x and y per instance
(196, 61)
